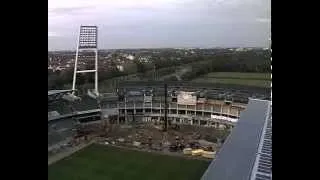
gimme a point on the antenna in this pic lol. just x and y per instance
(87, 42)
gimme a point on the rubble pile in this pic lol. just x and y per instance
(150, 138)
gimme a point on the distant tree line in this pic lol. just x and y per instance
(58, 79)
(247, 61)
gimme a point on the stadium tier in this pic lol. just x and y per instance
(185, 105)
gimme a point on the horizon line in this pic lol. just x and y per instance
(217, 47)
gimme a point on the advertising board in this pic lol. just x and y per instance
(186, 98)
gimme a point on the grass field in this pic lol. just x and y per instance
(99, 162)
(251, 79)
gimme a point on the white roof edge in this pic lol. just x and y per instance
(259, 100)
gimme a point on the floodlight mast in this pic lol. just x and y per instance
(87, 41)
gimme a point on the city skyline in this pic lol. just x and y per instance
(161, 23)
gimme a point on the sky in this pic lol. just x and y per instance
(161, 23)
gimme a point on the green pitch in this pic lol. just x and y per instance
(99, 162)
(237, 78)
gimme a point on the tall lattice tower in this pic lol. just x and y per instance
(87, 55)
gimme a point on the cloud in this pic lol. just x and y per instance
(69, 10)
(151, 22)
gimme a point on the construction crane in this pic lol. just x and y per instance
(165, 108)
(167, 123)
(133, 117)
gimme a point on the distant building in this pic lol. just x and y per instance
(120, 68)
(145, 59)
(130, 57)
(239, 49)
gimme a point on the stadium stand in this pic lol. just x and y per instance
(60, 130)
(63, 115)
(60, 106)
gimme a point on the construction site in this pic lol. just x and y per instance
(158, 134)
(177, 120)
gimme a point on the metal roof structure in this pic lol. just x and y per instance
(241, 153)
(54, 95)
(54, 92)
(79, 113)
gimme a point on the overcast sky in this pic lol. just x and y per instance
(161, 23)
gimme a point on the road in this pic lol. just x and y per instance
(177, 74)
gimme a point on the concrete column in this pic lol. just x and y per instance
(221, 109)
(177, 109)
(143, 108)
(118, 118)
(125, 116)
(125, 110)
(202, 111)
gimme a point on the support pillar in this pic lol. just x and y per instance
(118, 118)
(125, 111)
(202, 110)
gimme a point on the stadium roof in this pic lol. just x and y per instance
(79, 113)
(54, 95)
(53, 92)
(241, 153)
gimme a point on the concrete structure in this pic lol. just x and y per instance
(146, 106)
(247, 152)
(64, 115)
(54, 95)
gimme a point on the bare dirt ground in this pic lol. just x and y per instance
(185, 133)
(172, 142)
(179, 154)
(150, 139)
